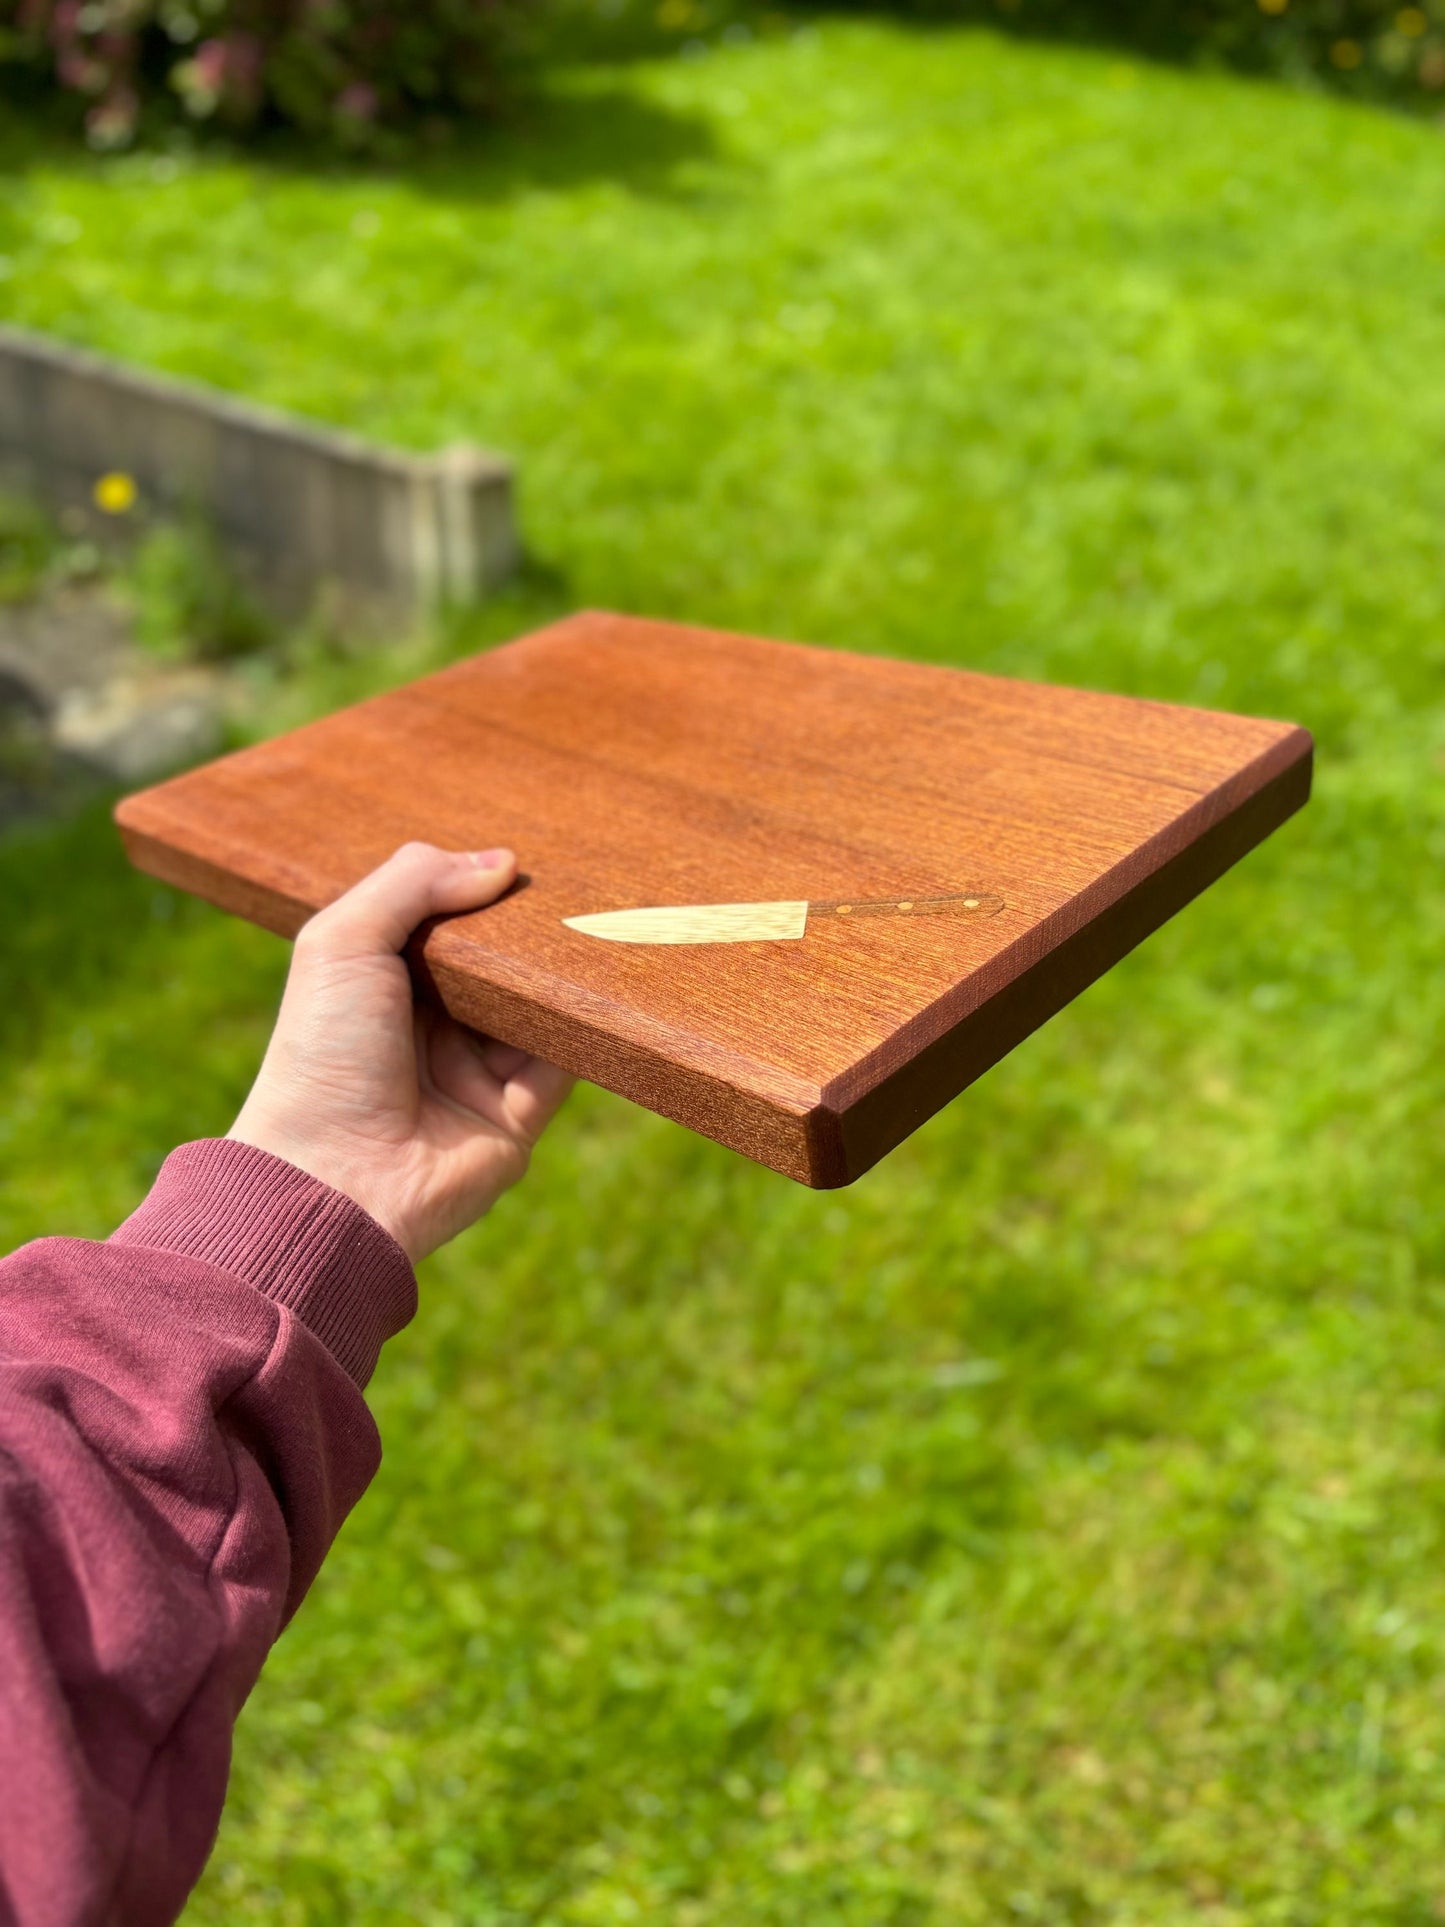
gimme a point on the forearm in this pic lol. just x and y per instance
(181, 1434)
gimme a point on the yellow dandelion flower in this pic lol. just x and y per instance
(1347, 54)
(114, 493)
(1411, 22)
(1273, 6)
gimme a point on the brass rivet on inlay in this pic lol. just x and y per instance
(970, 903)
(908, 905)
(844, 908)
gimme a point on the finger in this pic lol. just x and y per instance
(459, 1072)
(464, 1068)
(502, 1060)
(378, 914)
(534, 1095)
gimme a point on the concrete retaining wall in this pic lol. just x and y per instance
(297, 506)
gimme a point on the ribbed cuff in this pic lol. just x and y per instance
(287, 1235)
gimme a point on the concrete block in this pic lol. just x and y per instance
(299, 507)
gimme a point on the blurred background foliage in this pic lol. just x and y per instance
(366, 74)
(345, 70)
(1374, 47)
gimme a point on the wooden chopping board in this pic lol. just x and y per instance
(641, 765)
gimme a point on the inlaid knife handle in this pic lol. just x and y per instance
(976, 903)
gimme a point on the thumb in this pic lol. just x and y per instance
(378, 914)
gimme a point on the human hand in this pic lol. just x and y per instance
(418, 1119)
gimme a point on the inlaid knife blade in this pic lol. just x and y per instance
(766, 922)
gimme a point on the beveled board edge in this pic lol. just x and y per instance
(791, 1134)
(239, 896)
(879, 1120)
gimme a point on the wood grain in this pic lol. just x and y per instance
(637, 763)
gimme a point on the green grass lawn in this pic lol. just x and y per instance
(1052, 1526)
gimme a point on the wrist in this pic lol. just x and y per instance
(323, 1158)
(289, 1235)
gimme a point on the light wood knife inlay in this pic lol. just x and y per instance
(696, 923)
(762, 922)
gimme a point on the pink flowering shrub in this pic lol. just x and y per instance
(351, 69)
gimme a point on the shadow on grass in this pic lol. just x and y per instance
(559, 138)
(546, 136)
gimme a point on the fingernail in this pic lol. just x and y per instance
(489, 859)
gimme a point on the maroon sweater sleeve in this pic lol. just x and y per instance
(182, 1432)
